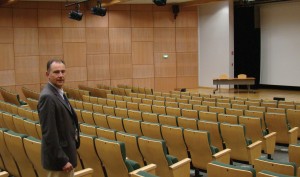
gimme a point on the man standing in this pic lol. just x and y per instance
(59, 124)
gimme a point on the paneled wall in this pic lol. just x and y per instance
(126, 46)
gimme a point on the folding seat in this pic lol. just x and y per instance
(87, 106)
(97, 108)
(259, 114)
(201, 150)
(200, 108)
(127, 92)
(102, 101)
(276, 110)
(150, 96)
(88, 129)
(195, 102)
(151, 130)
(185, 122)
(241, 98)
(224, 105)
(190, 113)
(141, 95)
(2, 123)
(195, 94)
(254, 99)
(214, 130)
(14, 143)
(118, 98)
(188, 97)
(86, 98)
(121, 91)
(127, 98)
(223, 100)
(113, 156)
(185, 93)
(115, 123)
(252, 103)
(254, 130)
(30, 127)
(150, 117)
(199, 98)
(145, 107)
(154, 151)
(209, 116)
(136, 100)
(277, 122)
(271, 104)
(109, 110)
(19, 124)
(172, 104)
(228, 118)
(294, 153)
(285, 168)
(136, 115)
(132, 147)
(287, 106)
(241, 102)
(242, 148)
(157, 93)
(101, 120)
(170, 99)
(208, 103)
(78, 104)
(94, 100)
(8, 121)
(159, 109)
(219, 169)
(32, 103)
(205, 99)
(111, 103)
(292, 116)
(174, 139)
(216, 109)
(266, 173)
(147, 101)
(88, 155)
(173, 111)
(121, 104)
(158, 103)
(79, 116)
(237, 112)
(185, 106)
(164, 94)
(205, 95)
(142, 90)
(10, 164)
(181, 100)
(133, 106)
(239, 106)
(148, 91)
(132, 126)
(258, 108)
(121, 112)
(106, 133)
(35, 116)
(39, 130)
(167, 120)
(160, 98)
(87, 117)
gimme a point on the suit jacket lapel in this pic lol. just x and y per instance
(55, 92)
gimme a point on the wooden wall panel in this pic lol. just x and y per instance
(187, 82)
(98, 67)
(50, 5)
(25, 5)
(164, 39)
(119, 19)
(120, 66)
(187, 19)
(140, 7)
(75, 74)
(7, 57)
(164, 19)
(6, 35)
(145, 82)
(165, 67)
(25, 18)
(141, 19)
(43, 66)
(6, 17)
(120, 40)
(27, 70)
(7, 78)
(186, 40)
(96, 21)
(187, 64)
(95, 83)
(49, 18)
(119, 7)
(142, 52)
(75, 54)
(74, 35)
(50, 41)
(142, 34)
(26, 41)
(97, 41)
(67, 22)
(115, 82)
(167, 7)
(143, 71)
(165, 84)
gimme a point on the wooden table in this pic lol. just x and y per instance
(234, 81)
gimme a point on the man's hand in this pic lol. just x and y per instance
(68, 167)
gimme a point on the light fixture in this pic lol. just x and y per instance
(175, 10)
(75, 14)
(160, 2)
(98, 10)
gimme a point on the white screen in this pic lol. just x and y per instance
(280, 44)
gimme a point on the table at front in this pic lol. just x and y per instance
(234, 81)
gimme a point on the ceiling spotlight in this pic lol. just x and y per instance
(98, 10)
(160, 2)
(75, 14)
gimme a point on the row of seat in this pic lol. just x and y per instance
(11, 97)
(19, 110)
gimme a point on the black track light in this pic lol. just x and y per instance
(160, 2)
(75, 15)
(101, 11)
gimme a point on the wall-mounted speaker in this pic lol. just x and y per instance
(175, 9)
(160, 2)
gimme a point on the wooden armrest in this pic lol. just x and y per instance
(149, 168)
(180, 163)
(293, 135)
(269, 142)
(4, 174)
(255, 144)
(84, 172)
(270, 135)
(223, 156)
(293, 130)
(254, 151)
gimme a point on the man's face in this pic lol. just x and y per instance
(56, 74)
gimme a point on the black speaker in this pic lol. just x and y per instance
(160, 2)
(175, 9)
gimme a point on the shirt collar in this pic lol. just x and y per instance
(60, 91)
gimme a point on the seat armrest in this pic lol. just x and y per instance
(88, 172)
(149, 168)
(4, 174)
(181, 168)
(254, 151)
(293, 135)
(269, 142)
(223, 156)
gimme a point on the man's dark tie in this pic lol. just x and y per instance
(66, 100)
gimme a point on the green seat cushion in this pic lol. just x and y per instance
(274, 174)
(131, 165)
(284, 163)
(252, 170)
(172, 159)
(214, 149)
(145, 174)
